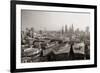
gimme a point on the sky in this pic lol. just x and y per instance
(50, 20)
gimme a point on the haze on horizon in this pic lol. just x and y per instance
(49, 20)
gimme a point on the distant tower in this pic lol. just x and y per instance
(87, 32)
(72, 28)
(77, 31)
(32, 32)
(87, 29)
(40, 32)
(32, 29)
(27, 32)
(62, 30)
(71, 31)
(66, 30)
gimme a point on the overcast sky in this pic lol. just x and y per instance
(48, 20)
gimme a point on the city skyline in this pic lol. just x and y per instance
(45, 20)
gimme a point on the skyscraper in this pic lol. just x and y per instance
(62, 30)
(66, 30)
(71, 29)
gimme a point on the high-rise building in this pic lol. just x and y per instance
(87, 33)
(62, 30)
(87, 29)
(66, 29)
(71, 29)
(77, 31)
(32, 32)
